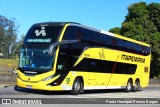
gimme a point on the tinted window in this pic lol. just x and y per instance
(39, 35)
(71, 33)
(92, 38)
(124, 68)
(101, 66)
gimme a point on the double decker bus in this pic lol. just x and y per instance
(58, 56)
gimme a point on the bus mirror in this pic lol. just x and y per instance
(53, 46)
(68, 41)
(11, 50)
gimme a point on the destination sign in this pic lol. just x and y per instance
(39, 40)
(39, 34)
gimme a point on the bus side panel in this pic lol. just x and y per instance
(145, 76)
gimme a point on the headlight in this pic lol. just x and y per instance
(48, 78)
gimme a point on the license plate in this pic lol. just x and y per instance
(28, 86)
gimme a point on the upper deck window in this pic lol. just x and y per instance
(42, 34)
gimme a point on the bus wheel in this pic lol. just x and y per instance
(136, 86)
(82, 89)
(128, 86)
(76, 88)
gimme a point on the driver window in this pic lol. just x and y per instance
(63, 58)
(61, 65)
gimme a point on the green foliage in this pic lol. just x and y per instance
(154, 13)
(142, 23)
(115, 30)
(8, 34)
(16, 49)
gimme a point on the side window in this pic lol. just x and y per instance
(71, 33)
(124, 68)
(62, 62)
(92, 65)
(123, 45)
(147, 50)
(138, 49)
(115, 43)
(91, 38)
(133, 47)
(82, 66)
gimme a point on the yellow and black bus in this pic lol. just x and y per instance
(59, 56)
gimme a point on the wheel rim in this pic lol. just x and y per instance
(129, 86)
(136, 85)
(77, 86)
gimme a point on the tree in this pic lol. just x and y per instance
(115, 30)
(142, 23)
(8, 33)
(16, 48)
(154, 13)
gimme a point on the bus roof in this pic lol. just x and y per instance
(90, 28)
(115, 35)
(54, 23)
(124, 38)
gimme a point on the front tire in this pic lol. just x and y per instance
(77, 86)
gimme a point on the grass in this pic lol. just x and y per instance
(9, 62)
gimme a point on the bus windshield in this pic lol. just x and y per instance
(35, 60)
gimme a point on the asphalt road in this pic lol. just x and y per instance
(89, 97)
(15, 92)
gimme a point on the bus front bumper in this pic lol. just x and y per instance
(42, 85)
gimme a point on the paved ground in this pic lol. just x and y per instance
(83, 99)
(13, 91)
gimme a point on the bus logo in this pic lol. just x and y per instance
(132, 58)
(40, 32)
